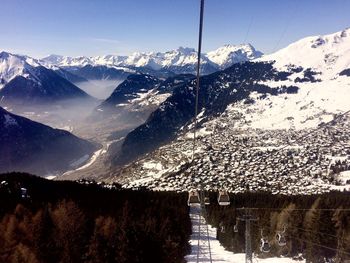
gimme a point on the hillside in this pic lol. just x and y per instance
(36, 148)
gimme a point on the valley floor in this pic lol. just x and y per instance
(218, 253)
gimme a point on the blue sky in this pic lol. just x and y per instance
(97, 27)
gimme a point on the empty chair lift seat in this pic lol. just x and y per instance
(223, 198)
(193, 198)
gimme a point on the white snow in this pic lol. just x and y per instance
(344, 177)
(14, 65)
(230, 54)
(314, 103)
(328, 54)
(50, 177)
(92, 159)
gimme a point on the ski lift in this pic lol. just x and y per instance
(223, 198)
(222, 227)
(235, 227)
(264, 244)
(206, 200)
(24, 192)
(193, 198)
(280, 238)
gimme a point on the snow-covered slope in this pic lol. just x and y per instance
(229, 54)
(173, 60)
(316, 63)
(328, 54)
(15, 65)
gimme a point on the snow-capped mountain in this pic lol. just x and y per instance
(227, 55)
(328, 55)
(181, 60)
(12, 66)
(25, 80)
(36, 148)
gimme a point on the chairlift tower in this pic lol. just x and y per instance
(248, 218)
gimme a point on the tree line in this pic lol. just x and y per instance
(53, 221)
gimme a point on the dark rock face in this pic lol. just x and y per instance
(90, 72)
(216, 92)
(71, 77)
(309, 76)
(345, 72)
(36, 148)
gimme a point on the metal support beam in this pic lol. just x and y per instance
(247, 218)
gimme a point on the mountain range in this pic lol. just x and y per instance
(181, 60)
(23, 80)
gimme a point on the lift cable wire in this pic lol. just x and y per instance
(305, 230)
(198, 74)
(294, 209)
(323, 246)
(202, 212)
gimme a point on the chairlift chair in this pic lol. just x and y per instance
(24, 193)
(193, 198)
(206, 200)
(223, 198)
(222, 227)
(264, 245)
(281, 239)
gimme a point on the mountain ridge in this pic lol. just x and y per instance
(173, 59)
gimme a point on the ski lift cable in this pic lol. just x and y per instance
(198, 73)
(314, 232)
(320, 245)
(202, 211)
(294, 209)
(274, 49)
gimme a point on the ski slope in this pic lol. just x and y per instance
(218, 253)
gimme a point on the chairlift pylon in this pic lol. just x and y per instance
(280, 237)
(264, 244)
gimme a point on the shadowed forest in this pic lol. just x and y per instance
(48, 221)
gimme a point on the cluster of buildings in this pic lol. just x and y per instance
(307, 161)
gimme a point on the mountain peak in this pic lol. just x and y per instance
(229, 54)
(185, 50)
